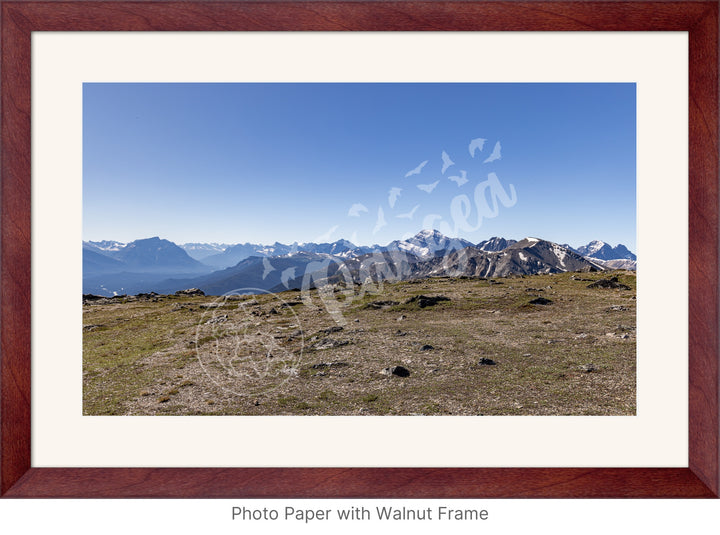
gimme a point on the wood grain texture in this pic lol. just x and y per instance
(17, 479)
(15, 255)
(359, 16)
(703, 243)
(359, 483)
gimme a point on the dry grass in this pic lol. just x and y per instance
(278, 354)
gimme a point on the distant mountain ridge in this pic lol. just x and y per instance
(604, 251)
(145, 255)
(155, 264)
(199, 251)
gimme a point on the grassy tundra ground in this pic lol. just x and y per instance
(273, 354)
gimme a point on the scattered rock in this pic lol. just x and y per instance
(426, 347)
(321, 365)
(190, 292)
(425, 301)
(356, 320)
(91, 327)
(617, 308)
(256, 402)
(330, 330)
(400, 371)
(329, 343)
(609, 283)
(492, 281)
(486, 362)
(400, 333)
(401, 317)
(218, 319)
(381, 304)
(540, 301)
(534, 290)
(587, 368)
(527, 355)
(295, 334)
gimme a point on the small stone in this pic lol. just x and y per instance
(218, 319)
(329, 343)
(540, 301)
(426, 347)
(402, 317)
(190, 292)
(400, 371)
(527, 355)
(587, 368)
(381, 304)
(486, 362)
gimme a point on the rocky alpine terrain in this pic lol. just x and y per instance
(554, 343)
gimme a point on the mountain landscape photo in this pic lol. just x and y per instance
(381, 249)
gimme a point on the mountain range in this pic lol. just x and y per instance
(155, 264)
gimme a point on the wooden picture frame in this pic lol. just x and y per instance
(19, 479)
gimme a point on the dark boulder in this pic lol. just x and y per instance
(609, 283)
(425, 301)
(190, 292)
(400, 371)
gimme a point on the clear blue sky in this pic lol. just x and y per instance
(286, 162)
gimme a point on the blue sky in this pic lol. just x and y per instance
(286, 162)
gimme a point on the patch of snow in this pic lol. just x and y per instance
(522, 257)
(560, 253)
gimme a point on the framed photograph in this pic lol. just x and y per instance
(419, 292)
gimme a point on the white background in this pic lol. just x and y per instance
(514, 57)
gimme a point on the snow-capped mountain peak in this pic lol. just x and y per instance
(428, 243)
(603, 251)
